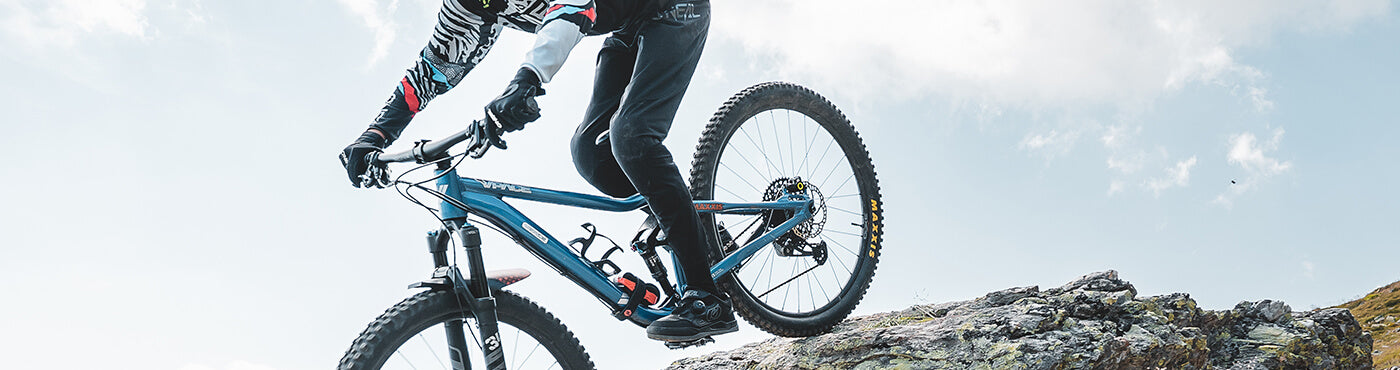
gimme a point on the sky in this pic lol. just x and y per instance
(172, 198)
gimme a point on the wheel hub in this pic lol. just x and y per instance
(795, 242)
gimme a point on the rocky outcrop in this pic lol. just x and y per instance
(1094, 322)
(1379, 314)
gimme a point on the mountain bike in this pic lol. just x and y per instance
(784, 187)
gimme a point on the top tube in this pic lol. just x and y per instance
(566, 198)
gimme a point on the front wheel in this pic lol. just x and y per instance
(776, 138)
(411, 335)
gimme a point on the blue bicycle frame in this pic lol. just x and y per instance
(486, 199)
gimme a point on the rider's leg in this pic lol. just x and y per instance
(637, 134)
(637, 90)
(666, 57)
(460, 40)
(668, 50)
(591, 146)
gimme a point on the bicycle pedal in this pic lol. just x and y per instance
(690, 343)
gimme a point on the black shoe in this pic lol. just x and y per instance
(699, 315)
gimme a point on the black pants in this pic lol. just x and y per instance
(643, 72)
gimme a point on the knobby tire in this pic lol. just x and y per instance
(400, 323)
(737, 120)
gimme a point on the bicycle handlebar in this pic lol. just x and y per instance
(430, 150)
(425, 151)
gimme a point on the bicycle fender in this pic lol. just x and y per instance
(496, 279)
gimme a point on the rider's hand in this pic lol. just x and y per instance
(356, 159)
(516, 107)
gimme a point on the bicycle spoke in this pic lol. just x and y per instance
(798, 287)
(843, 184)
(787, 288)
(764, 149)
(430, 350)
(828, 177)
(807, 153)
(828, 206)
(405, 360)
(736, 174)
(760, 150)
(513, 352)
(792, 159)
(521, 350)
(728, 191)
(773, 264)
(840, 283)
(762, 267)
(531, 354)
(843, 246)
(812, 293)
(750, 163)
(785, 282)
(823, 158)
(777, 143)
(821, 286)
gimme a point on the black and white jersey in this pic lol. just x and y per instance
(568, 21)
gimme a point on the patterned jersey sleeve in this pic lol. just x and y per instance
(565, 24)
(460, 40)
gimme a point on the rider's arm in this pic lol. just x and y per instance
(564, 26)
(460, 40)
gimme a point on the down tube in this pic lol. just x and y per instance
(546, 247)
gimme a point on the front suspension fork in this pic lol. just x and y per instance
(475, 293)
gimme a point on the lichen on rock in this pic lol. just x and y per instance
(1094, 322)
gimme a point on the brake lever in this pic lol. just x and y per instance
(376, 175)
(485, 134)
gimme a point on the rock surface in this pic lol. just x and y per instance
(1094, 322)
(1379, 314)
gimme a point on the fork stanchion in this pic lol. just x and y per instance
(471, 241)
(483, 304)
(437, 246)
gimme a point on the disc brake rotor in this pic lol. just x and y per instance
(795, 242)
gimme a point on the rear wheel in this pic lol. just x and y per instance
(411, 335)
(774, 138)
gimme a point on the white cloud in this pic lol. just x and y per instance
(1050, 144)
(61, 22)
(1126, 164)
(1059, 60)
(1253, 157)
(376, 17)
(1259, 96)
(1309, 269)
(1026, 53)
(1114, 136)
(1115, 187)
(1177, 176)
(1248, 154)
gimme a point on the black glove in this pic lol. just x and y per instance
(516, 107)
(356, 160)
